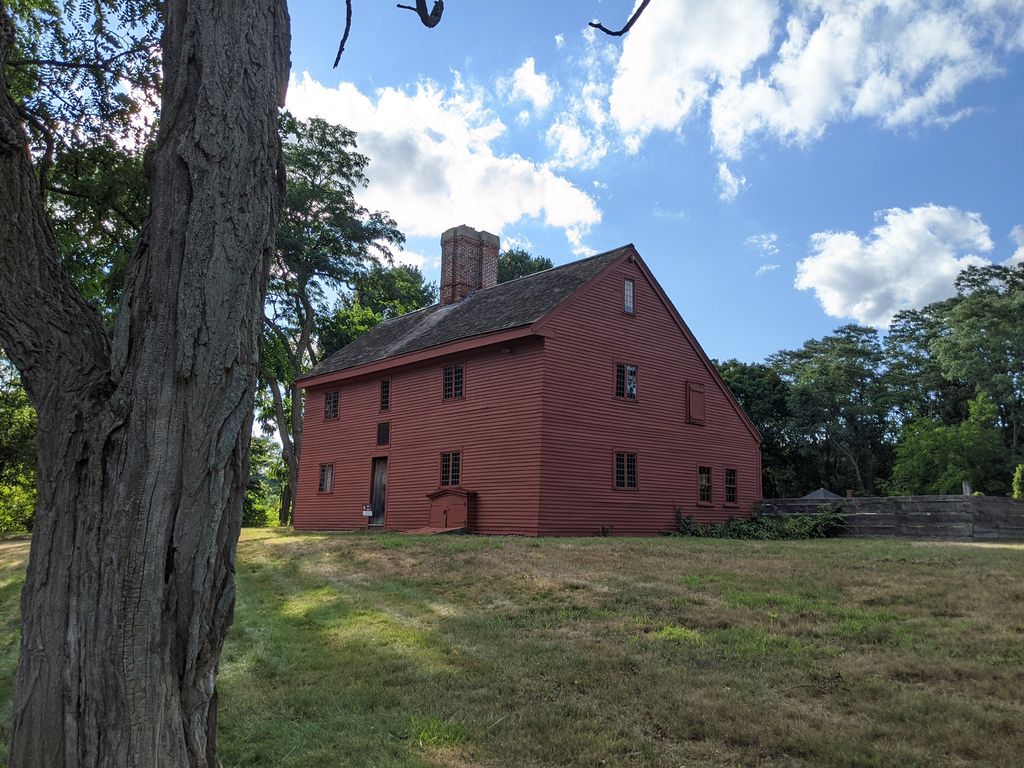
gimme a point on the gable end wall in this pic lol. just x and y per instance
(585, 424)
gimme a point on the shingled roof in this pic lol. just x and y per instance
(505, 306)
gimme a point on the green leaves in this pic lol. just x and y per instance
(516, 262)
(935, 458)
(939, 402)
(83, 69)
(839, 404)
(17, 453)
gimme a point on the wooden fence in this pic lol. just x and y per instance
(985, 518)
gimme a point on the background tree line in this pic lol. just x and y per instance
(937, 400)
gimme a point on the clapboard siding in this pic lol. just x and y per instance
(585, 424)
(540, 424)
(496, 426)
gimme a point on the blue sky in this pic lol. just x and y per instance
(783, 168)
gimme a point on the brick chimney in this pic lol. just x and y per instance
(469, 262)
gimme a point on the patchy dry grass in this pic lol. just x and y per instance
(390, 650)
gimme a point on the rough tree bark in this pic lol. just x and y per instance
(143, 437)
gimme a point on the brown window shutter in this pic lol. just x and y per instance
(695, 402)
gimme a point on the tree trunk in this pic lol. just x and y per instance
(290, 445)
(143, 441)
(298, 415)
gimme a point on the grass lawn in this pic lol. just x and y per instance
(390, 650)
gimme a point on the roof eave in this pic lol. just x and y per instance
(417, 356)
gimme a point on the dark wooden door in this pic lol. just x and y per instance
(379, 491)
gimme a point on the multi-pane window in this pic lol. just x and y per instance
(625, 470)
(385, 394)
(625, 381)
(451, 468)
(452, 382)
(627, 296)
(331, 405)
(704, 484)
(384, 433)
(326, 478)
(730, 486)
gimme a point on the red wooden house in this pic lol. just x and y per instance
(568, 402)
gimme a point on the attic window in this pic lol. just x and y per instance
(451, 468)
(627, 296)
(385, 394)
(331, 405)
(625, 381)
(452, 382)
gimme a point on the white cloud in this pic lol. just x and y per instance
(668, 213)
(433, 165)
(909, 259)
(729, 185)
(899, 63)
(510, 241)
(764, 269)
(1017, 233)
(559, 41)
(576, 245)
(677, 52)
(410, 258)
(573, 146)
(576, 134)
(789, 71)
(527, 84)
(765, 244)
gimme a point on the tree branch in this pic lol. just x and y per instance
(102, 65)
(348, 28)
(283, 338)
(632, 20)
(430, 20)
(282, 422)
(46, 161)
(56, 340)
(127, 219)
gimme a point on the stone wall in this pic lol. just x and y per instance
(924, 517)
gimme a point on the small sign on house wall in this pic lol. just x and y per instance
(367, 510)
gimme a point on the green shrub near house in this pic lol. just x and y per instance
(829, 522)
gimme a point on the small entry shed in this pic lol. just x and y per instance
(452, 507)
